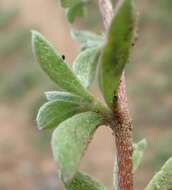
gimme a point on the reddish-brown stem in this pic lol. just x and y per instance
(121, 124)
(106, 12)
(122, 128)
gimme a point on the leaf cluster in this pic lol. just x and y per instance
(74, 112)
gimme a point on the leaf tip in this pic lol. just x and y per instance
(143, 143)
(47, 94)
(34, 33)
(40, 125)
(72, 33)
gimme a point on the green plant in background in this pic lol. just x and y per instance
(75, 113)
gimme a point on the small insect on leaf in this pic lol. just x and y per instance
(63, 57)
(59, 71)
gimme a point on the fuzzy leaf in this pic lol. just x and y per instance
(56, 68)
(54, 112)
(68, 3)
(82, 181)
(88, 38)
(163, 179)
(85, 36)
(116, 51)
(70, 140)
(86, 64)
(78, 10)
(85, 105)
(63, 96)
(90, 44)
(138, 153)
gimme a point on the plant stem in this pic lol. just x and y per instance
(121, 123)
(106, 12)
(122, 129)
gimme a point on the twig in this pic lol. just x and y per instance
(106, 12)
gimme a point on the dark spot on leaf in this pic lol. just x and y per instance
(133, 44)
(63, 57)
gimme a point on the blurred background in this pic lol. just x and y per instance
(25, 154)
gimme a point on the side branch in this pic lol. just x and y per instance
(106, 12)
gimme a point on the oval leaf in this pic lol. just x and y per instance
(86, 64)
(94, 106)
(116, 51)
(78, 10)
(138, 153)
(89, 44)
(54, 112)
(85, 36)
(163, 179)
(70, 140)
(63, 96)
(56, 68)
(82, 181)
(88, 38)
(68, 3)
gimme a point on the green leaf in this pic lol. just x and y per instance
(138, 153)
(163, 179)
(56, 68)
(116, 51)
(85, 105)
(85, 36)
(86, 64)
(68, 3)
(54, 112)
(78, 10)
(89, 45)
(82, 181)
(63, 96)
(70, 140)
(88, 38)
